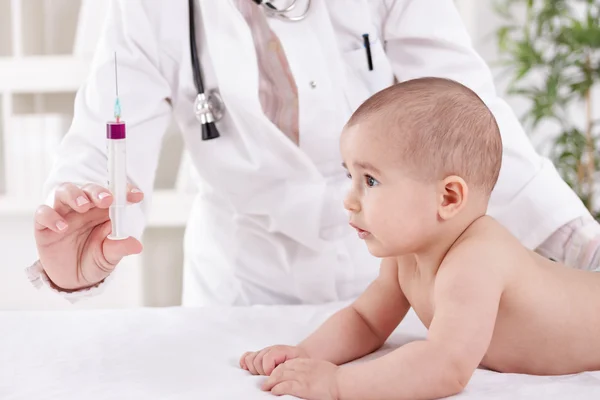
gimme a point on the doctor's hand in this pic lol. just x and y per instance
(264, 362)
(72, 239)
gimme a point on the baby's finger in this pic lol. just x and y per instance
(272, 359)
(250, 362)
(70, 197)
(47, 218)
(243, 361)
(280, 374)
(100, 196)
(258, 361)
(292, 388)
(134, 195)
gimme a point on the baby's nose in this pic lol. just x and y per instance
(351, 203)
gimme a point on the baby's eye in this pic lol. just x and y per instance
(348, 175)
(371, 181)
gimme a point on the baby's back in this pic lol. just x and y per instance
(549, 315)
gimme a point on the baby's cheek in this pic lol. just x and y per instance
(390, 230)
(401, 230)
(396, 214)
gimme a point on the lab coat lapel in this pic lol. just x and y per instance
(233, 56)
(295, 208)
(272, 154)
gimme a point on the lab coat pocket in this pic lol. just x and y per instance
(361, 81)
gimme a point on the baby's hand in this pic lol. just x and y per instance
(305, 379)
(264, 362)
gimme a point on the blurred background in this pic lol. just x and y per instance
(543, 53)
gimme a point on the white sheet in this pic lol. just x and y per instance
(179, 353)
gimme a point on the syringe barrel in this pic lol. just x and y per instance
(117, 177)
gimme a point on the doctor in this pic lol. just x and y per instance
(268, 226)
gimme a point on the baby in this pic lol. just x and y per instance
(423, 157)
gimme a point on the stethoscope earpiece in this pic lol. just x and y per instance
(281, 13)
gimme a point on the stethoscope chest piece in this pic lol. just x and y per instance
(209, 107)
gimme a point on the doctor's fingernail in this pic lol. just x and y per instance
(103, 195)
(61, 225)
(81, 200)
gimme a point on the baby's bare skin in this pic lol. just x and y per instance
(419, 198)
(489, 302)
(548, 319)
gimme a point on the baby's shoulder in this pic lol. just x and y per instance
(486, 232)
(487, 242)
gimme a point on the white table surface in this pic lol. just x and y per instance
(184, 353)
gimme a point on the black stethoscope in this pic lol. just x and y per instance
(209, 107)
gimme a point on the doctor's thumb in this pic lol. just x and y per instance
(115, 250)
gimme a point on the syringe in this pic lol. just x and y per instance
(117, 168)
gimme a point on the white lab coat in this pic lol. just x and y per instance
(268, 225)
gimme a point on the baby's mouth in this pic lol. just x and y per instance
(361, 232)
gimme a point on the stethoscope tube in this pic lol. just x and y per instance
(208, 108)
(202, 105)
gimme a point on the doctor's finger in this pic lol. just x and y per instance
(115, 250)
(47, 218)
(100, 196)
(134, 195)
(70, 197)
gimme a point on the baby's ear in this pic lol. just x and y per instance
(453, 192)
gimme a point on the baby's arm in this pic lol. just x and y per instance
(466, 298)
(365, 325)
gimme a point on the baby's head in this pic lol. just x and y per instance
(423, 156)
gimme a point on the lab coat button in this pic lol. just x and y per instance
(313, 84)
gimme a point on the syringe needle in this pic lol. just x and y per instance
(116, 76)
(117, 108)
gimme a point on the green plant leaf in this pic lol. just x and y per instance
(581, 35)
(582, 87)
(560, 44)
(503, 37)
(549, 16)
